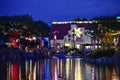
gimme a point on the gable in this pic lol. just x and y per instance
(63, 28)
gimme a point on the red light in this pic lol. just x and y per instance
(15, 72)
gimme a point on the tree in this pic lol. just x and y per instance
(77, 19)
(22, 25)
(42, 28)
(108, 29)
(84, 19)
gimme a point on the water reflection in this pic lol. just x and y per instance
(57, 69)
(78, 70)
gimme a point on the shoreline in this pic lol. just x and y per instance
(103, 61)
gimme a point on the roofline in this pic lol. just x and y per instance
(78, 22)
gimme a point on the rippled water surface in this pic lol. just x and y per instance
(57, 69)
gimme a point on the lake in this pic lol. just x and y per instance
(57, 69)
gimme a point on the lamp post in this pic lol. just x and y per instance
(93, 38)
(73, 34)
(55, 39)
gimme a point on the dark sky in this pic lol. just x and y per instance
(59, 10)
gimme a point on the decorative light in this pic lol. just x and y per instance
(78, 22)
(34, 38)
(78, 32)
(118, 17)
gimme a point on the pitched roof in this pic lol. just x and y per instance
(62, 29)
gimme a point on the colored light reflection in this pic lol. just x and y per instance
(60, 68)
(93, 73)
(78, 74)
(15, 71)
(55, 72)
(41, 67)
(57, 69)
(67, 68)
(47, 74)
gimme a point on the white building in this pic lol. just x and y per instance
(70, 34)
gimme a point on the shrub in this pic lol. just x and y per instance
(103, 53)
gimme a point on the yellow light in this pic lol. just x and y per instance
(67, 68)
(67, 43)
(78, 32)
(78, 74)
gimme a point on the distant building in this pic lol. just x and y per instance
(70, 34)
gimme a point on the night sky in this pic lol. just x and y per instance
(59, 10)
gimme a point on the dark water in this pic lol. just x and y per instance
(57, 69)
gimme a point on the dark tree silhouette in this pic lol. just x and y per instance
(15, 27)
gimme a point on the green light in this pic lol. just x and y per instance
(118, 17)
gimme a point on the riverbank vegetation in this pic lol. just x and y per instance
(101, 53)
(103, 56)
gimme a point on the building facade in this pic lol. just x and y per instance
(71, 34)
